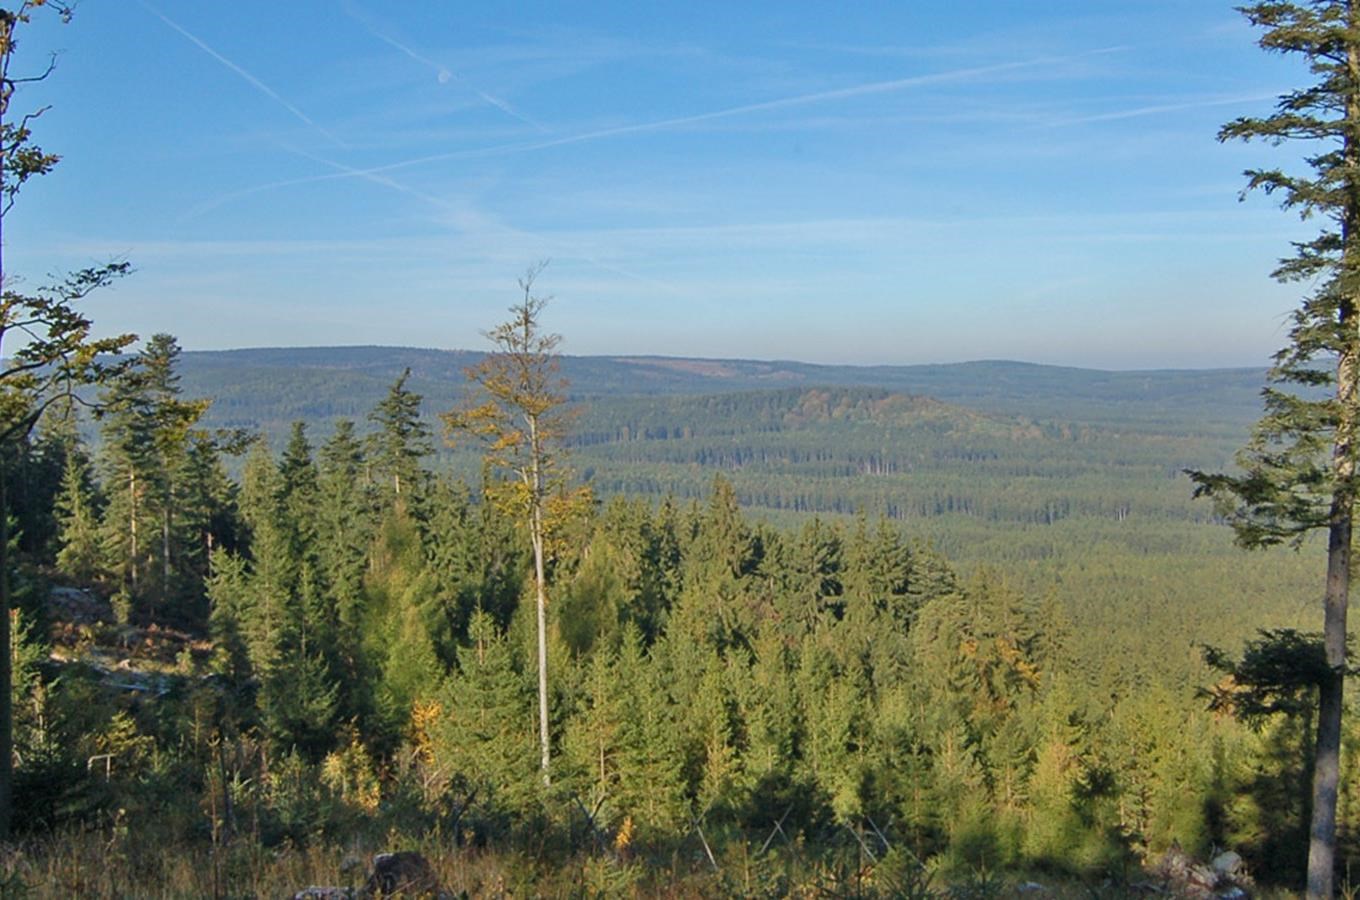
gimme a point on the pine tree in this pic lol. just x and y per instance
(55, 352)
(486, 738)
(592, 743)
(402, 439)
(1299, 469)
(77, 513)
(344, 536)
(650, 779)
(127, 456)
(147, 429)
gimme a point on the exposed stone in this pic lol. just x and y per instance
(1230, 865)
(1225, 878)
(70, 604)
(405, 873)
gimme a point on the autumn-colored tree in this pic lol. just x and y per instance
(520, 416)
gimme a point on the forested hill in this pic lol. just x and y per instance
(268, 388)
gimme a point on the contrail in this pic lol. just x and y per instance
(875, 87)
(444, 72)
(1140, 111)
(249, 78)
(344, 171)
(571, 247)
(860, 90)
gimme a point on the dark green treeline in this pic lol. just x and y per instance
(358, 654)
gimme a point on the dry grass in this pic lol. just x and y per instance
(94, 865)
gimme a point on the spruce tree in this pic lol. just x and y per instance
(146, 438)
(1299, 469)
(126, 457)
(77, 513)
(208, 518)
(51, 352)
(486, 738)
(344, 534)
(651, 779)
(402, 439)
(172, 419)
(592, 743)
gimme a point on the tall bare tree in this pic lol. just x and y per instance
(520, 415)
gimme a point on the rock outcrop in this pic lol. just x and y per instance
(401, 874)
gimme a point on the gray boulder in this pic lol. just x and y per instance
(403, 874)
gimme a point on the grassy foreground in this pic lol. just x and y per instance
(119, 863)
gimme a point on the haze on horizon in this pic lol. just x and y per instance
(871, 185)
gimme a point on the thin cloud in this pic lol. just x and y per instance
(860, 90)
(249, 78)
(1158, 109)
(468, 220)
(345, 171)
(443, 73)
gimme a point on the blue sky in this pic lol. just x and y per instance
(849, 183)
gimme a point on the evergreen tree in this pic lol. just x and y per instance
(718, 603)
(593, 740)
(402, 439)
(878, 574)
(1299, 470)
(811, 590)
(452, 538)
(344, 536)
(650, 778)
(51, 351)
(230, 605)
(287, 620)
(127, 456)
(486, 738)
(208, 517)
(146, 452)
(172, 418)
(77, 511)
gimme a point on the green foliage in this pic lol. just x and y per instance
(486, 736)
(372, 669)
(402, 439)
(1299, 472)
(1280, 672)
(77, 511)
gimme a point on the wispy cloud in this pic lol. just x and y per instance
(1160, 108)
(246, 76)
(442, 72)
(469, 220)
(347, 171)
(731, 112)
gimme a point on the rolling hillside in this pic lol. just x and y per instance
(270, 387)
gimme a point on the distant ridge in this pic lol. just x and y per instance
(262, 387)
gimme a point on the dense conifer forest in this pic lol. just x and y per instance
(679, 627)
(336, 644)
